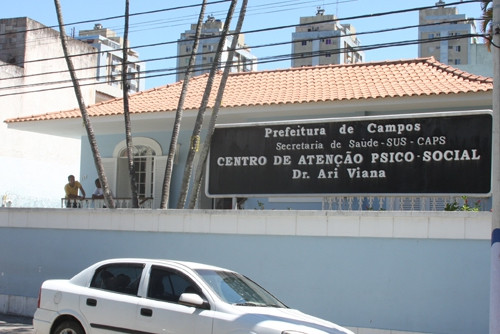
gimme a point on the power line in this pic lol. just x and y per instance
(248, 31)
(260, 61)
(120, 16)
(270, 59)
(278, 4)
(183, 20)
(208, 52)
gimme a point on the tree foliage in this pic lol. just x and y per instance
(487, 17)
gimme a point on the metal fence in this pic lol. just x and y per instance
(343, 203)
(89, 203)
(407, 203)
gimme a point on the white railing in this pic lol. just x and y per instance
(89, 203)
(344, 203)
(406, 203)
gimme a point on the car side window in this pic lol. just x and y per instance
(168, 284)
(120, 277)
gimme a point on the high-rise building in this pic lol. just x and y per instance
(443, 24)
(110, 56)
(454, 42)
(243, 60)
(321, 40)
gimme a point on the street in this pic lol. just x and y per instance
(15, 324)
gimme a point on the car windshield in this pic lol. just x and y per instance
(236, 289)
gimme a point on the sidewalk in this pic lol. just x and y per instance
(15, 324)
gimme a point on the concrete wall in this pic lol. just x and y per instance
(374, 272)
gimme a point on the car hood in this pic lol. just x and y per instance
(289, 319)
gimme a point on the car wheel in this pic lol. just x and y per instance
(69, 327)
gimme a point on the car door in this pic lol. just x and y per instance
(111, 301)
(161, 312)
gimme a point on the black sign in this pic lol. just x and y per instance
(446, 153)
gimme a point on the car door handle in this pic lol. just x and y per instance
(91, 302)
(147, 312)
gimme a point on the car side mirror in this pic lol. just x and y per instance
(194, 300)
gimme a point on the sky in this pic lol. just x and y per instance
(155, 25)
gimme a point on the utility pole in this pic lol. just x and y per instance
(495, 233)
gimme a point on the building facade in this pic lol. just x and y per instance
(243, 60)
(437, 27)
(299, 94)
(110, 58)
(33, 80)
(321, 40)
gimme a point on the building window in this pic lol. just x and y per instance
(328, 41)
(304, 42)
(457, 61)
(458, 48)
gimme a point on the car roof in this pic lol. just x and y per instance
(186, 264)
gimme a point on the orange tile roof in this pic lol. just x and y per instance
(387, 79)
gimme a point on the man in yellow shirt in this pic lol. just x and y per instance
(71, 190)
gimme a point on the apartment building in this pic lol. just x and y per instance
(438, 28)
(109, 59)
(446, 35)
(322, 40)
(243, 60)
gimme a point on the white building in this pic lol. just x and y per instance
(379, 89)
(109, 59)
(321, 40)
(437, 28)
(33, 80)
(243, 61)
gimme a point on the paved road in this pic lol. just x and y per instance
(15, 324)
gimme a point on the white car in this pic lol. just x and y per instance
(163, 296)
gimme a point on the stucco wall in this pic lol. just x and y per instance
(375, 272)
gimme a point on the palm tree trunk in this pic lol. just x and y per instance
(108, 198)
(195, 137)
(215, 112)
(178, 116)
(126, 112)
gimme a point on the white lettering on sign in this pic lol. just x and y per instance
(451, 155)
(392, 157)
(242, 161)
(393, 128)
(358, 173)
(298, 131)
(299, 146)
(433, 141)
(330, 159)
